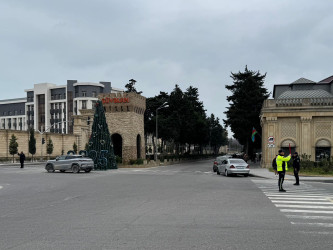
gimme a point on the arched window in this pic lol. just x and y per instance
(323, 150)
(285, 146)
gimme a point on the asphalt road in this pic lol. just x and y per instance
(184, 206)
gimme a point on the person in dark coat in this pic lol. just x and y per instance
(297, 167)
(274, 166)
(22, 159)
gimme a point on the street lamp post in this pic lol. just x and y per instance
(164, 105)
(45, 131)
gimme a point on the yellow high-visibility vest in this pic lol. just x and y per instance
(279, 161)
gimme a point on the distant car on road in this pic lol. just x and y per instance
(233, 167)
(75, 163)
(218, 160)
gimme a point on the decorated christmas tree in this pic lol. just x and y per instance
(100, 143)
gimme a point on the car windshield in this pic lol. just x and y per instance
(236, 161)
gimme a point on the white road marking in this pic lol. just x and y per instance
(299, 196)
(305, 211)
(316, 232)
(318, 224)
(298, 193)
(293, 198)
(304, 206)
(293, 190)
(1, 187)
(309, 217)
(304, 202)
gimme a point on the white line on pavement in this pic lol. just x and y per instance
(305, 193)
(304, 202)
(302, 199)
(304, 206)
(313, 224)
(309, 217)
(298, 196)
(305, 211)
(1, 187)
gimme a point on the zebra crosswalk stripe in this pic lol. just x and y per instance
(305, 206)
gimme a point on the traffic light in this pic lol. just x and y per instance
(43, 140)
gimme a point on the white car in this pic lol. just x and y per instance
(233, 166)
(74, 163)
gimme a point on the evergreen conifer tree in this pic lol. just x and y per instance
(75, 148)
(49, 147)
(100, 143)
(248, 95)
(13, 145)
(32, 143)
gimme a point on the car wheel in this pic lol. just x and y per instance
(87, 170)
(226, 173)
(62, 171)
(218, 172)
(49, 168)
(75, 169)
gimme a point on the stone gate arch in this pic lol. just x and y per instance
(138, 146)
(117, 141)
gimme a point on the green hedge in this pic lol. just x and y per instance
(136, 162)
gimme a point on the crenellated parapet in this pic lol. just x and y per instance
(123, 102)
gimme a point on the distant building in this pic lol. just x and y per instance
(300, 115)
(51, 107)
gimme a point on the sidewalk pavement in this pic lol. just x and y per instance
(27, 163)
(257, 171)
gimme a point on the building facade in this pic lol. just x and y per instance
(124, 113)
(50, 107)
(300, 118)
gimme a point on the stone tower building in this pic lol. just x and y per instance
(125, 118)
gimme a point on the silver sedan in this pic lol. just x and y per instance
(74, 163)
(233, 166)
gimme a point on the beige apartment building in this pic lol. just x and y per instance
(299, 116)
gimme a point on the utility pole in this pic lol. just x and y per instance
(164, 105)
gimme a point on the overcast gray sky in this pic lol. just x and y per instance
(161, 43)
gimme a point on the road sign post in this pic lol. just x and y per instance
(271, 145)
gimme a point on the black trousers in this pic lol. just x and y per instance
(22, 164)
(281, 179)
(296, 175)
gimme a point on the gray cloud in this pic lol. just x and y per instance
(163, 43)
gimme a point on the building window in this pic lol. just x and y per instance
(94, 94)
(323, 150)
(84, 93)
(75, 108)
(84, 104)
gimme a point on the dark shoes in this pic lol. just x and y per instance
(296, 184)
(282, 190)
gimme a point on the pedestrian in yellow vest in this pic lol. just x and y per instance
(282, 166)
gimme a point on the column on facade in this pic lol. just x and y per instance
(306, 136)
(269, 129)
